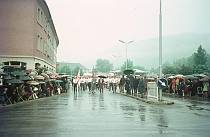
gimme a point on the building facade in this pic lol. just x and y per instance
(27, 34)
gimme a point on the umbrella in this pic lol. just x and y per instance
(14, 81)
(200, 76)
(25, 78)
(128, 71)
(2, 73)
(8, 77)
(39, 77)
(206, 78)
(171, 77)
(45, 75)
(18, 73)
(101, 76)
(32, 83)
(59, 81)
(190, 77)
(179, 76)
(64, 76)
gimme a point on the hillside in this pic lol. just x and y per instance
(146, 52)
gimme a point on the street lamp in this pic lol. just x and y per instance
(126, 45)
(160, 41)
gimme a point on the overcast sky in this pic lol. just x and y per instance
(86, 28)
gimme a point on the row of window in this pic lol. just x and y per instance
(44, 22)
(46, 47)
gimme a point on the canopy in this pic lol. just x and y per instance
(32, 83)
(39, 77)
(128, 71)
(18, 73)
(25, 78)
(206, 78)
(14, 81)
(101, 76)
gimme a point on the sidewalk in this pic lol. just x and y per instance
(149, 101)
(198, 99)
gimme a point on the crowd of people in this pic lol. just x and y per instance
(27, 86)
(129, 84)
(189, 86)
(22, 86)
(137, 85)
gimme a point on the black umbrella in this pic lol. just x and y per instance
(14, 81)
(25, 78)
(128, 71)
(8, 77)
(191, 77)
(18, 73)
(59, 81)
(101, 76)
(207, 78)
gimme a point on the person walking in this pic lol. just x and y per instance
(135, 85)
(122, 84)
(101, 85)
(75, 82)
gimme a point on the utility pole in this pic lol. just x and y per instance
(160, 41)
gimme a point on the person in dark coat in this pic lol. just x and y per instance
(122, 84)
(127, 86)
(141, 87)
(135, 85)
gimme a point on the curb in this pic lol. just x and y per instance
(149, 101)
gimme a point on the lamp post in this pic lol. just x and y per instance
(160, 40)
(160, 50)
(126, 49)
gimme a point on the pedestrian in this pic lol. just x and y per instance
(141, 87)
(101, 85)
(135, 85)
(122, 84)
(127, 85)
(173, 86)
(75, 82)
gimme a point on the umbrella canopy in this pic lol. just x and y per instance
(8, 77)
(171, 77)
(206, 78)
(179, 76)
(39, 77)
(2, 73)
(18, 73)
(45, 75)
(25, 78)
(200, 76)
(128, 71)
(59, 81)
(191, 77)
(101, 76)
(64, 76)
(32, 83)
(14, 81)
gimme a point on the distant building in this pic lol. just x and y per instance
(28, 37)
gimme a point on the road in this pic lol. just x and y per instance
(103, 115)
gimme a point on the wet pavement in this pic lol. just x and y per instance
(104, 115)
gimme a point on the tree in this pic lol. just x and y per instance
(200, 57)
(200, 60)
(65, 69)
(169, 69)
(129, 65)
(103, 65)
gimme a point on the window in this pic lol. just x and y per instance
(38, 14)
(38, 43)
(15, 63)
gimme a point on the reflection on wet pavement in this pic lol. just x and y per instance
(104, 115)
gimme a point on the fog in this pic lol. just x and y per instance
(90, 29)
